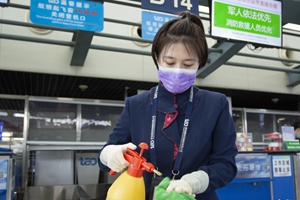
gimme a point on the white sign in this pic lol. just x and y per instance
(288, 133)
(87, 168)
(281, 166)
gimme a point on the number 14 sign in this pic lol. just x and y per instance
(171, 6)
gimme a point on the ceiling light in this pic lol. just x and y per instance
(18, 115)
(18, 139)
(3, 114)
(6, 139)
(83, 87)
(291, 26)
(275, 100)
(7, 134)
(39, 31)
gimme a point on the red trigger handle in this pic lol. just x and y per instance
(129, 154)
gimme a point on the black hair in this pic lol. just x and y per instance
(187, 29)
(296, 125)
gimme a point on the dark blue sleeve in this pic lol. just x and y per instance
(221, 168)
(120, 134)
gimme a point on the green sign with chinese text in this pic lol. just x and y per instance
(255, 22)
(293, 145)
(246, 19)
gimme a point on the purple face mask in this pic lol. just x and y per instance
(176, 80)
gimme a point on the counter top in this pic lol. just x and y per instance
(270, 152)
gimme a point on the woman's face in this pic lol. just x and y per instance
(177, 56)
(297, 133)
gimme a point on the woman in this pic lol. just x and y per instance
(190, 131)
(296, 126)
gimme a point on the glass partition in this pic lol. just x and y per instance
(11, 117)
(259, 124)
(285, 120)
(260, 121)
(50, 121)
(70, 124)
(238, 119)
(11, 111)
(98, 121)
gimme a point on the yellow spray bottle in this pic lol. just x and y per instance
(130, 184)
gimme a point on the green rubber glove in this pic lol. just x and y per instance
(161, 193)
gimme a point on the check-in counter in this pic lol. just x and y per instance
(264, 175)
(65, 174)
(67, 192)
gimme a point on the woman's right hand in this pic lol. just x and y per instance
(112, 156)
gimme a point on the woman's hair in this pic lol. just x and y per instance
(296, 125)
(188, 30)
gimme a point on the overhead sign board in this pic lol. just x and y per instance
(71, 14)
(171, 6)
(254, 21)
(4, 3)
(152, 21)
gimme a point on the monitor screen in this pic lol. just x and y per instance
(252, 21)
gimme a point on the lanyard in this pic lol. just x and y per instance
(188, 113)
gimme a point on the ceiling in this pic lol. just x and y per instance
(47, 85)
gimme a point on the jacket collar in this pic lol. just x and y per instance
(169, 102)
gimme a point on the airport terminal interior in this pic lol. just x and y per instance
(63, 87)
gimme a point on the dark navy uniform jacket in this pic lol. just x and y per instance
(210, 140)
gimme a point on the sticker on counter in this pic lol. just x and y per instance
(281, 166)
(3, 174)
(252, 166)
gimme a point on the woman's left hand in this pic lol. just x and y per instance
(162, 194)
(180, 186)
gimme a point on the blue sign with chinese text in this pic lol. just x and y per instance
(152, 21)
(70, 14)
(3, 174)
(174, 6)
(253, 166)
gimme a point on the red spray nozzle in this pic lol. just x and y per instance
(137, 162)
